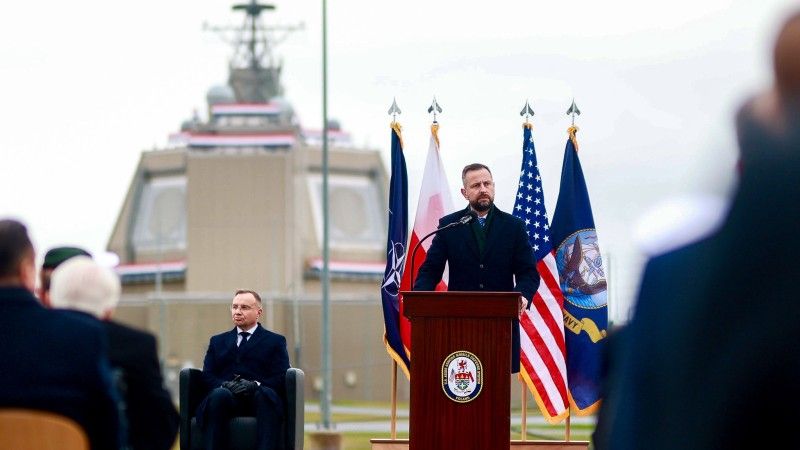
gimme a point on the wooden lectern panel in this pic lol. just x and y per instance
(446, 322)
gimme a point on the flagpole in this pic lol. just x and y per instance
(394, 399)
(566, 429)
(524, 392)
(394, 111)
(527, 112)
(543, 358)
(325, 406)
(572, 111)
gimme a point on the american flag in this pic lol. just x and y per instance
(542, 350)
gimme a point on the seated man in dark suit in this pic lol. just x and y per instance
(51, 361)
(244, 370)
(490, 254)
(90, 290)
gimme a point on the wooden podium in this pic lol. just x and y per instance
(460, 370)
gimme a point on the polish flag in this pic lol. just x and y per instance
(434, 202)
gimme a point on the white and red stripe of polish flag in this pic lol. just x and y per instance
(434, 202)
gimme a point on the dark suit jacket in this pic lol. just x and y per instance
(152, 418)
(56, 362)
(506, 265)
(265, 360)
(711, 357)
(644, 400)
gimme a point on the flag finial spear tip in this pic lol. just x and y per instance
(573, 111)
(394, 110)
(434, 108)
(527, 111)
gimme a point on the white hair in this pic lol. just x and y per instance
(82, 284)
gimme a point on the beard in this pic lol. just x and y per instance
(482, 204)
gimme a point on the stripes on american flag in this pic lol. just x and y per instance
(542, 349)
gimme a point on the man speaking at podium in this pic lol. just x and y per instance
(490, 253)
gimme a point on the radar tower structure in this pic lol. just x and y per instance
(254, 73)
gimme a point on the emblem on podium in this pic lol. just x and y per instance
(462, 376)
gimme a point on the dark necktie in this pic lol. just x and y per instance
(244, 335)
(482, 221)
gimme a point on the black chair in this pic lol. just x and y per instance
(243, 429)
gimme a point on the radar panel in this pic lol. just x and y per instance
(356, 216)
(160, 220)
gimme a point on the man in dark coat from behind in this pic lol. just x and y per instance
(83, 287)
(51, 361)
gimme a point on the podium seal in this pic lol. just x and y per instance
(462, 376)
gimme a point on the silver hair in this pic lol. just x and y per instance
(83, 285)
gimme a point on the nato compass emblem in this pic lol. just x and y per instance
(580, 269)
(462, 376)
(392, 277)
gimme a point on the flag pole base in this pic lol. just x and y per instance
(325, 440)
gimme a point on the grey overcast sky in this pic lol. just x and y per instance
(87, 85)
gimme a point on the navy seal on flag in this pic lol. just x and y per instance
(462, 376)
(580, 266)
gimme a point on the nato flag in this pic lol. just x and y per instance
(395, 252)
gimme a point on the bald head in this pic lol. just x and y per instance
(786, 60)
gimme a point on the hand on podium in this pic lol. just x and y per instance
(523, 304)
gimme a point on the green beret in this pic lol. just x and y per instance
(58, 255)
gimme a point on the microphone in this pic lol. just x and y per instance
(464, 220)
(469, 217)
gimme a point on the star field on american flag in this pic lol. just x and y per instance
(529, 204)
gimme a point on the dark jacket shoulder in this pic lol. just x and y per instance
(504, 216)
(124, 333)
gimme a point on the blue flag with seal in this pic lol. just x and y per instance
(583, 282)
(395, 252)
